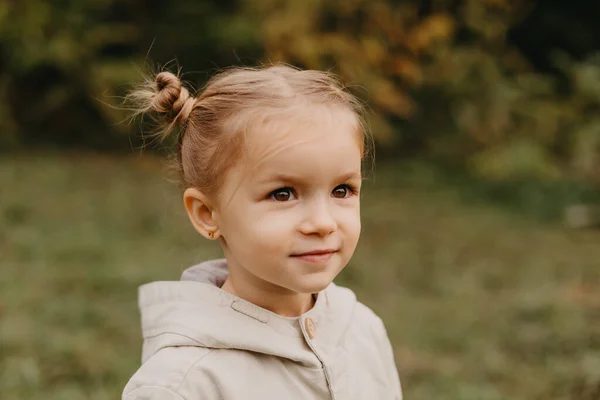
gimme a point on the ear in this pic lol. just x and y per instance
(201, 213)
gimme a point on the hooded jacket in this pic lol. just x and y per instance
(203, 343)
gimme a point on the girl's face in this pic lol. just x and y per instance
(289, 214)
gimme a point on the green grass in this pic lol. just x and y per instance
(480, 303)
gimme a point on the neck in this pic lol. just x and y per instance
(264, 294)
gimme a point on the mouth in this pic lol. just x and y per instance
(316, 256)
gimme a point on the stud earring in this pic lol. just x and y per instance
(211, 235)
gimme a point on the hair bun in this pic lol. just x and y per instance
(171, 98)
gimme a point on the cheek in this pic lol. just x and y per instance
(350, 214)
(354, 225)
(275, 232)
(350, 224)
(258, 230)
(269, 222)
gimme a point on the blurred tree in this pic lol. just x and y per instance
(55, 62)
(571, 27)
(63, 62)
(442, 80)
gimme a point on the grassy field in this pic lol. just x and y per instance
(480, 303)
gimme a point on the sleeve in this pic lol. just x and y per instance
(151, 393)
(387, 355)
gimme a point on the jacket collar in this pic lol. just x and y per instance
(197, 312)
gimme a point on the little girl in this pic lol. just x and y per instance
(271, 164)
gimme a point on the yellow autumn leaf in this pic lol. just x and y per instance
(408, 69)
(390, 98)
(373, 50)
(432, 29)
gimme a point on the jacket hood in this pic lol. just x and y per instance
(197, 312)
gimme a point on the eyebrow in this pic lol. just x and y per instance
(280, 177)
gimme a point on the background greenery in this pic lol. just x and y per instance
(502, 88)
(485, 114)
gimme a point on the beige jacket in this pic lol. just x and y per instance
(202, 343)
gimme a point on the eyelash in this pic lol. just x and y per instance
(352, 190)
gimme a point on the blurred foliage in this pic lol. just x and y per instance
(64, 64)
(469, 97)
(53, 67)
(441, 77)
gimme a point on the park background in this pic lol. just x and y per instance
(480, 245)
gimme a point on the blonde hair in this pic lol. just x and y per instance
(213, 124)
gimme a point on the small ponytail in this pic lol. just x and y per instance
(165, 99)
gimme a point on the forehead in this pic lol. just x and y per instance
(315, 147)
(303, 136)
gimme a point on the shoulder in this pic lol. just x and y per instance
(362, 315)
(372, 347)
(367, 315)
(163, 374)
(364, 326)
(151, 393)
(367, 324)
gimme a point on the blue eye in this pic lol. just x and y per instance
(283, 194)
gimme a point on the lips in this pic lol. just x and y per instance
(316, 256)
(315, 253)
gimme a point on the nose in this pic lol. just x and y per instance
(318, 219)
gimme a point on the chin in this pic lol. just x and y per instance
(313, 283)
